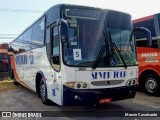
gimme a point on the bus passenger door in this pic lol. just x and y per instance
(55, 63)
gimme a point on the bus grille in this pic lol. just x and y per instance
(109, 82)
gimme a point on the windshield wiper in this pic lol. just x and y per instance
(99, 57)
(106, 47)
(103, 48)
(114, 46)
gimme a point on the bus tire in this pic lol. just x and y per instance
(43, 92)
(151, 84)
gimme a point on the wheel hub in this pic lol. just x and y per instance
(151, 85)
(43, 92)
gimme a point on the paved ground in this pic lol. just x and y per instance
(19, 98)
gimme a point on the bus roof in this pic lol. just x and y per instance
(151, 22)
(143, 19)
(63, 6)
(146, 18)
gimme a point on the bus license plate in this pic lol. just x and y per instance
(105, 100)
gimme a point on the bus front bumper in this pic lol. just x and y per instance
(91, 96)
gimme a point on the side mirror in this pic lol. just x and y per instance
(64, 31)
(147, 33)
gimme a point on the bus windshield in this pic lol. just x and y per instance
(86, 38)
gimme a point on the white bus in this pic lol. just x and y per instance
(77, 55)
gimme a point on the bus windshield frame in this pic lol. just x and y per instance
(86, 37)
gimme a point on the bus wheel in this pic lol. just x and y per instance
(43, 92)
(151, 84)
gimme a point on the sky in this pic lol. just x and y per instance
(13, 22)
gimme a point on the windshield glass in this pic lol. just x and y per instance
(86, 38)
(125, 44)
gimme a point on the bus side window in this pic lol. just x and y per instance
(141, 40)
(55, 48)
(155, 43)
(141, 43)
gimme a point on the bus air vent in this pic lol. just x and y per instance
(109, 82)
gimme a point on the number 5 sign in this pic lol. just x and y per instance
(77, 54)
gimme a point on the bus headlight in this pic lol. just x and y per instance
(84, 85)
(77, 85)
(131, 82)
(70, 84)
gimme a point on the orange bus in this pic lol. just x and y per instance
(149, 56)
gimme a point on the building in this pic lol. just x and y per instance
(4, 57)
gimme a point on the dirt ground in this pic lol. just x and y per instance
(6, 84)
